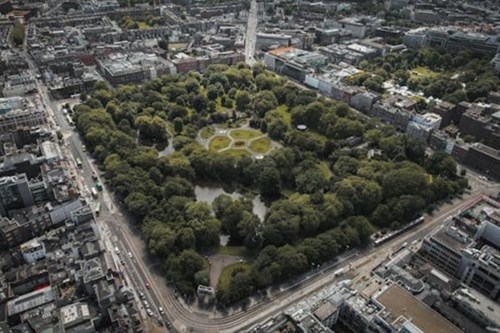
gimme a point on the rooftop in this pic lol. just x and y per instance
(454, 237)
(399, 304)
(30, 301)
(479, 303)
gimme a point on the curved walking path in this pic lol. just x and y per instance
(232, 141)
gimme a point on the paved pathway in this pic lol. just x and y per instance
(232, 144)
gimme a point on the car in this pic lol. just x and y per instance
(117, 250)
(141, 295)
(129, 255)
(149, 312)
(147, 285)
(168, 324)
(483, 178)
(146, 304)
(160, 310)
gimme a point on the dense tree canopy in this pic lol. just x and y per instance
(324, 196)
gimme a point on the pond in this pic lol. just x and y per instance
(209, 193)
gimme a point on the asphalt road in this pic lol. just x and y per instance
(251, 34)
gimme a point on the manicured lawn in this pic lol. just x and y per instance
(244, 134)
(326, 170)
(237, 251)
(261, 145)
(237, 153)
(229, 271)
(207, 132)
(219, 142)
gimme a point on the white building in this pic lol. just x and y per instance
(33, 250)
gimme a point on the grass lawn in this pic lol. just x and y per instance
(229, 271)
(218, 106)
(260, 146)
(244, 134)
(219, 142)
(316, 135)
(237, 153)
(177, 46)
(143, 25)
(422, 72)
(326, 170)
(207, 132)
(282, 110)
(237, 251)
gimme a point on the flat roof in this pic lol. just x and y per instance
(400, 303)
(453, 237)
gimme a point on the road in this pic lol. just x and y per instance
(111, 221)
(251, 34)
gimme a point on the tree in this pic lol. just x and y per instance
(242, 100)
(182, 268)
(310, 180)
(138, 203)
(440, 163)
(178, 124)
(360, 194)
(277, 129)
(199, 102)
(269, 180)
(362, 226)
(263, 102)
(404, 181)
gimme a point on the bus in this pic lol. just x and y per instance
(97, 208)
(78, 163)
(98, 185)
(94, 193)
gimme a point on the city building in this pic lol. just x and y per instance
(477, 307)
(364, 101)
(184, 63)
(293, 62)
(18, 112)
(18, 85)
(459, 247)
(446, 111)
(266, 41)
(33, 250)
(15, 193)
(484, 159)
(393, 115)
(452, 39)
(135, 67)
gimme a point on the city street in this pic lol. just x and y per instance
(251, 34)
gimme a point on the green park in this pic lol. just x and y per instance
(236, 126)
